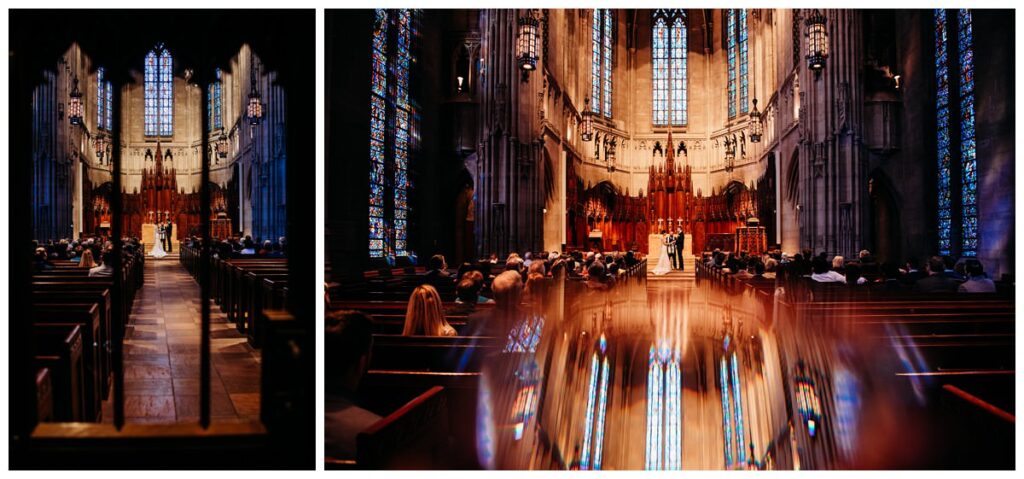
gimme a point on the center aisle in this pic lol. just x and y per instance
(161, 355)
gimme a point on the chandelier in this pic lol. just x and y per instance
(817, 41)
(756, 127)
(255, 108)
(526, 48)
(587, 126)
(75, 106)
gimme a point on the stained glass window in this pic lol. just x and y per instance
(742, 32)
(216, 115)
(664, 410)
(955, 125)
(654, 405)
(601, 61)
(101, 97)
(730, 25)
(968, 157)
(942, 124)
(589, 418)
(390, 109)
(378, 94)
(668, 63)
(159, 92)
(108, 105)
(723, 377)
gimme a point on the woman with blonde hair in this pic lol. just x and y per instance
(87, 261)
(425, 314)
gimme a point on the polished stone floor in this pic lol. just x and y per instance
(161, 355)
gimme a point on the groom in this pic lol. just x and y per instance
(167, 229)
(680, 242)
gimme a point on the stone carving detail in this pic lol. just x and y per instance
(843, 105)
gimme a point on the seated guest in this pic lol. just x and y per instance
(438, 268)
(770, 267)
(527, 259)
(266, 249)
(839, 264)
(537, 267)
(425, 315)
(467, 295)
(853, 274)
(107, 268)
(86, 261)
(949, 268)
(508, 291)
(348, 339)
(248, 247)
(536, 289)
(42, 261)
(913, 271)
(890, 280)
(596, 278)
(746, 270)
(977, 281)
(822, 273)
(936, 281)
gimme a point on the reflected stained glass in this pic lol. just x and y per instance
(654, 406)
(589, 419)
(673, 413)
(968, 156)
(741, 447)
(942, 125)
(378, 114)
(723, 378)
(602, 406)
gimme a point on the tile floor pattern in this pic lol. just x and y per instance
(161, 355)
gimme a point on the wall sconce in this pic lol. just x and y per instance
(817, 41)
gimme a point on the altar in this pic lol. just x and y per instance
(149, 234)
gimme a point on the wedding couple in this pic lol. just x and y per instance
(671, 256)
(162, 236)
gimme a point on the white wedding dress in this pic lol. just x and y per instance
(158, 245)
(664, 263)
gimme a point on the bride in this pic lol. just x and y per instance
(158, 246)
(664, 263)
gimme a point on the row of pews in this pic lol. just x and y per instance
(244, 289)
(947, 345)
(76, 321)
(407, 372)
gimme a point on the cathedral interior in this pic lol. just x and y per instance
(157, 183)
(803, 179)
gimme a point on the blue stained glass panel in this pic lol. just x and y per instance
(602, 406)
(652, 457)
(968, 153)
(100, 98)
(723, 377)
(378, 115)
(942, 126)
(109, 105)
(606, 73)
(659, 63)
(588, 422)
(673, 419)
(668, 64)
(731, 74)
(741, 448)
(150, 94)
(595, 62)
(742, 30)
(678, 72)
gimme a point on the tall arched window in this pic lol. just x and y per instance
(213, 103)
(664, 410)
(159, 92)
(954, 111)
(668, 62)
(104, 94)
(390, 107)
(736, 45)
(601, 61)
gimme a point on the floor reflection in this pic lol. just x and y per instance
(687, 375)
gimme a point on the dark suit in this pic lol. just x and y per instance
(936, 283)
(680, 239)
(168, 229)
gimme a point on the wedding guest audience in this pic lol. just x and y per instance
(107, 268)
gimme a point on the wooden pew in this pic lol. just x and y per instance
(388, 390)
(413, 437)
(86, 317)
(432, 353)
(101, 299)
(44, 395)
(251, 305)
(59, 349)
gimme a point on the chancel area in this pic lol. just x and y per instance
(662, 239)
(156, 199)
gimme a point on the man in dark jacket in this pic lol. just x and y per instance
(936, 281)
